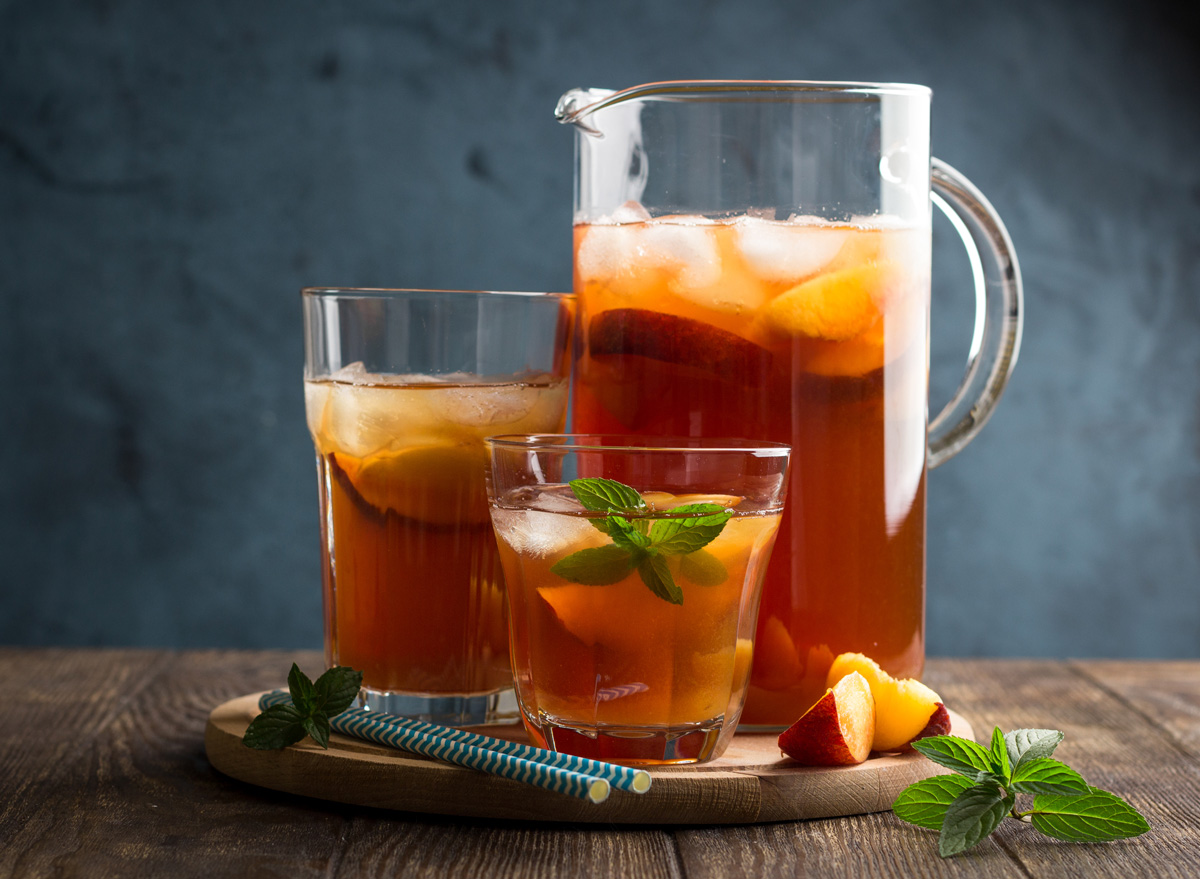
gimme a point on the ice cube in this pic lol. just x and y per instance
(316, 398)
(630, 212)
(540, 534)
(557, 500)
(683, 246)
(355, 374)
(880, 221)
(788, 251)
(732, 293)
(486, 405)
(361, 419)
(604, 251)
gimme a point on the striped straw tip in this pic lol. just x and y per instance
(598, 790)
(641, 782)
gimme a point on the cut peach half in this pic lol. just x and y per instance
(835, 306)
(838, 730)
(904, 708)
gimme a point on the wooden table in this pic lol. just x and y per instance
(102, 772)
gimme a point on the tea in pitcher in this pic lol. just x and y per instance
(802, 331)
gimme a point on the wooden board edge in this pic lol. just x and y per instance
(359, 774)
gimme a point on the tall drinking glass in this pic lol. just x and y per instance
(401, 388)
(753, 259)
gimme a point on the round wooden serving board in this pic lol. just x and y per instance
(751, 783)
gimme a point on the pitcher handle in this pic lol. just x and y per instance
(999, 312)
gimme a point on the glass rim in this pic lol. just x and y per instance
(605, 442)
(404, 292)
(682, 89)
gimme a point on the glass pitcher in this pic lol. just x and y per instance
(753, 259)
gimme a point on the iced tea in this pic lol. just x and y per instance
(615, 670)
(802, 331)
(414, 592)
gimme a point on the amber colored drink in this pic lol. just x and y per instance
(614, 671)
(414, 593)
(806, 332)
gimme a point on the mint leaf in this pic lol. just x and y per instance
(1047, 776)
(644, 542)
(277, 727)
(606, 495)
(973, 814)
(596, 566)
(337, 689)
(317, 726)
(1003, 769)
(924, 803)
(627, 534)
(962, 755)
(702, 568)
(304, 695)
(1096, 816)
(1064, 806)
(657, 576)
(688, 533)
(309, 711)
(1030, 744)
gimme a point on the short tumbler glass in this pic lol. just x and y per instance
(634, 569)
(401, 387)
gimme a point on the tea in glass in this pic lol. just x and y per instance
(414, 591)
(633, 622)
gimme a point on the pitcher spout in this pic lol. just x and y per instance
(575, 108)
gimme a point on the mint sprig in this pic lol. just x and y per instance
(644, 544)
(967, 807)
(308, 714)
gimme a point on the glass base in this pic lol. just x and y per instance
(443, 709)
(652, 746)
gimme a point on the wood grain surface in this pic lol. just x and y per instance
(750, 783)
(103, 773)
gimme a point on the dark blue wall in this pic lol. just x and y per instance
(171, 174)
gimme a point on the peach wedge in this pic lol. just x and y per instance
(905, 709)
(837, 730)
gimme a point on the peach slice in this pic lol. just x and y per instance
(836, 306)
(837, 730)
(439, 483)
(939, 724)
(904, 708)
(777, 664)
(680, 340)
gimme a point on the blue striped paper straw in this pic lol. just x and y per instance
(368, 725)
(621, 777)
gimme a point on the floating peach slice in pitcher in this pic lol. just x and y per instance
(835, 306)
(778, 665)
(674, 339)
(905, 709)
(838, 730)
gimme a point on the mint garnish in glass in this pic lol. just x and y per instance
(643, 543)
